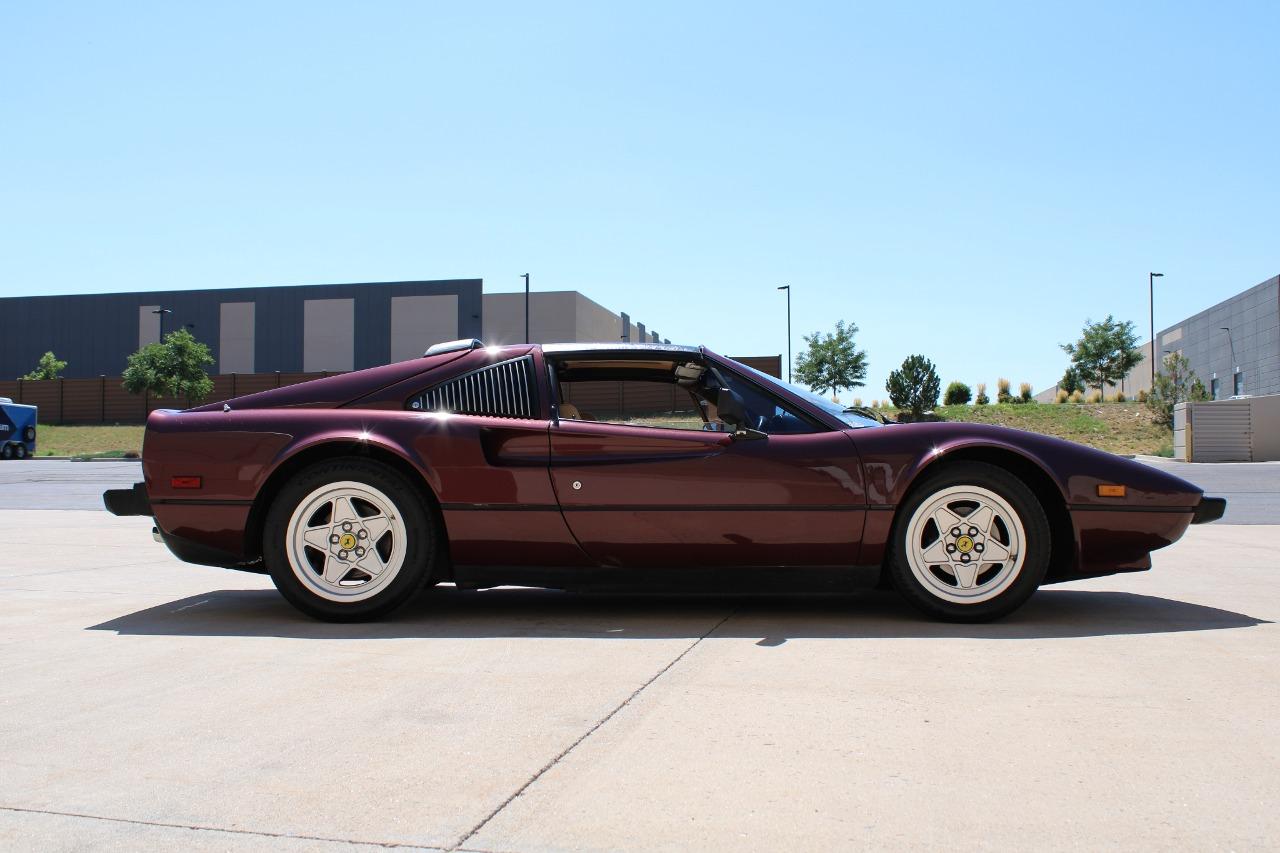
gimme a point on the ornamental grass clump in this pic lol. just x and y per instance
(1077, 396)
(1095, 396)
(982, 399)
(1024, 392)
(1002, 391)
(1062, 396)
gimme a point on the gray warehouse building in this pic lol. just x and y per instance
(304, 328)
(1234, 347)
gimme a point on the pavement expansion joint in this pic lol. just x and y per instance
(199, 828)
(458, 847)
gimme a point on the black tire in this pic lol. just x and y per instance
(19, 451)
(6, 451)
(1037, 548)
(421, 546)
(29, 434)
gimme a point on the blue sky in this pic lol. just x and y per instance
(967, 181)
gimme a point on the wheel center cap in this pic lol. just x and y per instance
(347, 542)
(964, 544)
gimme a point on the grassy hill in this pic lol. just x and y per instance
(1124, 428)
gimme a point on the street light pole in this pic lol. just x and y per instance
(1151, 307)
(525, 276)
(162, 311)
(787, 288)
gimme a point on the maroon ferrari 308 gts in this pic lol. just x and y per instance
(617, 465)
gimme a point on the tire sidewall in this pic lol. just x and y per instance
(1037, 549)
(420, 534)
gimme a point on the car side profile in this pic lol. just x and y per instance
(590, 465)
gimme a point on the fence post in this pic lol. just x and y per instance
(277, 379)
(62, 405)
(233, 385)
(20, 400)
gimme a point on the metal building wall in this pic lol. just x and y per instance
(1254, 320)
(96, 333)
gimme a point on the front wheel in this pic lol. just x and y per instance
(6, 451)
(971, 544)
(349, 540)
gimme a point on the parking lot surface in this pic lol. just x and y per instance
(149, 703)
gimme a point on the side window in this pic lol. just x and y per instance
(631, 402)
(503, 390)
(764, 411)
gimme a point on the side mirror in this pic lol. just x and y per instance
(748, 435)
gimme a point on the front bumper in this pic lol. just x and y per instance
(132, 501)
(1209, 509)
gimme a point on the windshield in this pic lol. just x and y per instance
(853, 419)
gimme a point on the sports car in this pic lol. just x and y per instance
(623, 466)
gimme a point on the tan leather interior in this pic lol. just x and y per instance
(569, 410)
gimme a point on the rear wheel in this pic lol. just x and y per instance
(971, 543)
(349, 540)
(19, 451)
(6, 451)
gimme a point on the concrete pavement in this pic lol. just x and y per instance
(150, 703)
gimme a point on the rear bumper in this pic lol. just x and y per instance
(1209, 509)
(132, 501)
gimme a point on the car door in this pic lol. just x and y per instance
(639, 496)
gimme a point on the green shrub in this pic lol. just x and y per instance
(982, 399)
(1002, 391)
(1142, 398)
(914, 386)
(957, 394)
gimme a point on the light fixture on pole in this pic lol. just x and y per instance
(162, 311)
(787, 288)
(1151, 307)
(525, 276)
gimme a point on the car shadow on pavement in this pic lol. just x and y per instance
(451, 613)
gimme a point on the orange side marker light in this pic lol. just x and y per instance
(1106, 490)
(185, 482)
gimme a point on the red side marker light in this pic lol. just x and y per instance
(184, 482)
(1109, 491)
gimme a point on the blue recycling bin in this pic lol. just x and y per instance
(17, 430)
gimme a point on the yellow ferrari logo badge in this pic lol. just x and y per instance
(347, 542)
(964, 544)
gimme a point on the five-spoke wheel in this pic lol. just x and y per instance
(349, 540)
(971, 543)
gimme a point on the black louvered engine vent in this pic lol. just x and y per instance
(504, 390)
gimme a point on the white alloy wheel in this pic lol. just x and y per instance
(965, 544)
(346, 541)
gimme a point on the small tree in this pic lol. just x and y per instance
(1071, 381)
(914, 386)
(832, 362)
(48, 367)
(957, 394)
(1175, 383)
(172, 368)
(1106, 352)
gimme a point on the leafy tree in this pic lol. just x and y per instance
(172, 368)
(914, 386)
(1175, 383)
(1105, 353)
(1071, 381)
(48, 367)
(832, 362)
(957, 394)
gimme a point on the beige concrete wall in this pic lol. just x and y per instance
(417, 322)
(148, 325)
(236, 337)
(329, 334)
(564, 316)
(1266, 428)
